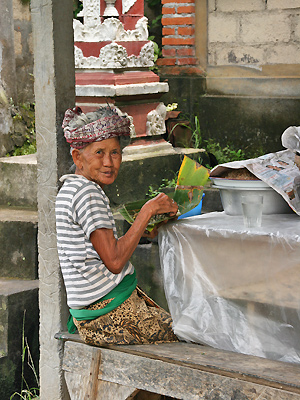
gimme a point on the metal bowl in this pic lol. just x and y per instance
(231, 191)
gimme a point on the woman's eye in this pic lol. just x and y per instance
(99, 152)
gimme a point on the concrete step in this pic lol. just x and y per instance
(18, 238)
(18, 181)
(17, 298)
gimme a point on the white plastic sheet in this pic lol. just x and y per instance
(235, 289)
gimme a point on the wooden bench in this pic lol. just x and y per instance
(179, 370)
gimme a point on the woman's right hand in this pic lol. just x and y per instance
(161, 204)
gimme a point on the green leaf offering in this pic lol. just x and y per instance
(188, 193)
(130, 211)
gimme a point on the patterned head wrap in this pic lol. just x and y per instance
(81, 129)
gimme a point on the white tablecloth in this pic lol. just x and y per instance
(233, 288)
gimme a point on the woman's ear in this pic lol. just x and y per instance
(76, 155)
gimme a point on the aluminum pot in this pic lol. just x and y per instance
(232, 190)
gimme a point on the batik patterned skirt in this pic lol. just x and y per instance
(136, 321)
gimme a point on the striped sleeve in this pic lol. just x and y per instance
(91, 209)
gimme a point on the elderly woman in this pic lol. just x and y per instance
(105, 303)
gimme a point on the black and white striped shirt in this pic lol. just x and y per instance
(81, 208)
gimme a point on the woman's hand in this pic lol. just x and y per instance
(115, 253)
(154, 232)
(161, 204)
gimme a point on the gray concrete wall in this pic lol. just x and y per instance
(254, 32)
(54, 92)
(23, 51)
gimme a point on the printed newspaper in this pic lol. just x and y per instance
(278, 170)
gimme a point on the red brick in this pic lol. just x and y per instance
(178, 41)
(168, 31)
(169, 52)
(168, 10)
(185, 51)
(181, 70)
(166, 61)
(178, 1)
(186, 9)
(186, 30)
(187, 61)
(178, 21)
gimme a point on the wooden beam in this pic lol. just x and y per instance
(184, 380)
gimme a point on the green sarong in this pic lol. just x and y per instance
(119, 294)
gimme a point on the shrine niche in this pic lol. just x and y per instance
(113, 57)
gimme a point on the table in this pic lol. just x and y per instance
(232, 288)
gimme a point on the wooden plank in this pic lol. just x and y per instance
(84, 385)
(250, 368)
(76, 384)
(81, 369)
(167, 378)
(255, 369)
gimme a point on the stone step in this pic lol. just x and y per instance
(18, 238)
(18, 181)
(18, 302)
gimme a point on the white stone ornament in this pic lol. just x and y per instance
(155, 124)
(114, 56)
(110, 10)
(90, 12)
(110, 29)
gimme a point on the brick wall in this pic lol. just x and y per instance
(178, 30)
(253, 32)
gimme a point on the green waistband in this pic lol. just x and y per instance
(119, 294)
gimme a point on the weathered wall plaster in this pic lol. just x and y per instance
(255, 32)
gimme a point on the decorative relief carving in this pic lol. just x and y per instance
(139, 33)
(155, 124)
(110, 29)
(115, 56)
(90, 12)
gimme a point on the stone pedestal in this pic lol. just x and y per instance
(112, 59)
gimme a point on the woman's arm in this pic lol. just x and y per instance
(115, 253)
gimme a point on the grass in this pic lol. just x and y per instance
(26, 393)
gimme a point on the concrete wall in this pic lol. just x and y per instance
(254, 32)
(23, 51)
(245, 86)
(16, 53)
(16, 65)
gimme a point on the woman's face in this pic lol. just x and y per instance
(99, 161)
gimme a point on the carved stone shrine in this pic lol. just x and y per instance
(112, 60)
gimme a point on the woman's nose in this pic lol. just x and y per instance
(107, 160)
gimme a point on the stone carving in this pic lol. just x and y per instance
(115, 56)
(110, 10)
(132, 127)
(126, 5)
(155, 124)
(139, 33)
(90, 12)
(110, 29)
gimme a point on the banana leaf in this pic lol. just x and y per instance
(190, 183)
(130, 211)
(187, 197)
(188, 193)
(192, 173)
